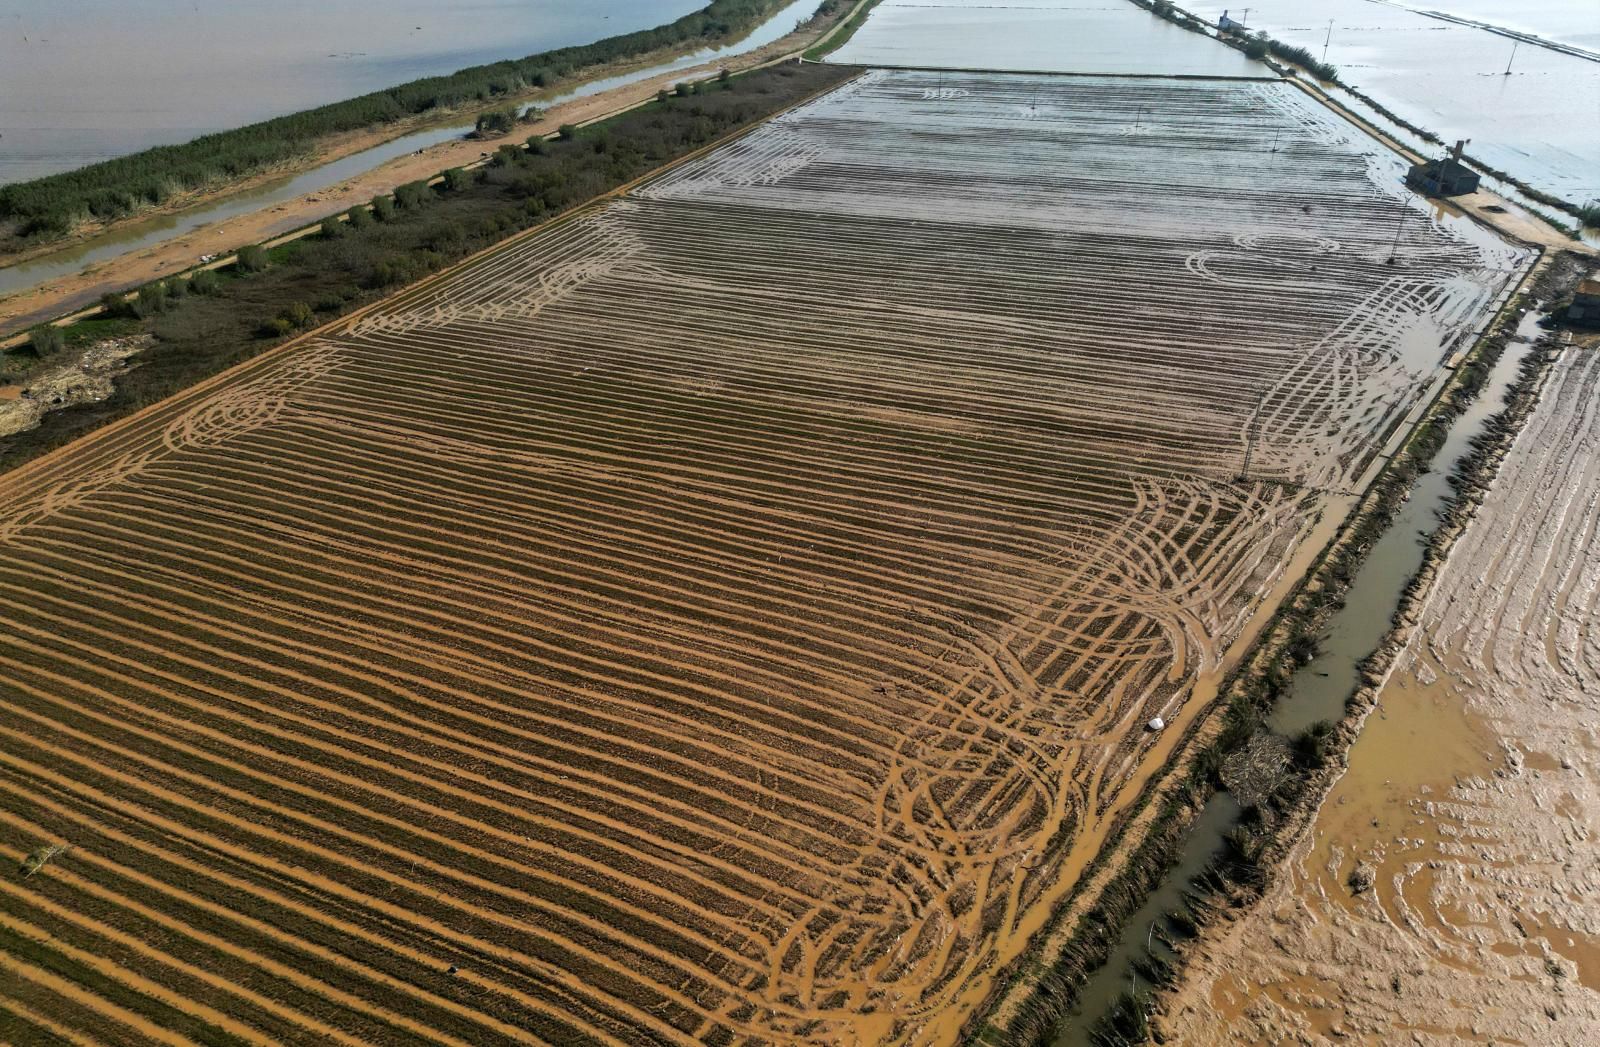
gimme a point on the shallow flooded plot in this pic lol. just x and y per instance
(1470, 800)
(1541, 123)
(719, 615)
(1058, 36)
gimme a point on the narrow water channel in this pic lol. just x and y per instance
(156, 230)
(1318, 690)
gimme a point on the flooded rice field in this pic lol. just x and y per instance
(1469, 803)
(1570, 23)
(77, 83)
(1541, 123)
(1063, 36)
(730, 613)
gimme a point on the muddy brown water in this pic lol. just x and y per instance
(1318, 690)
(1322, 685)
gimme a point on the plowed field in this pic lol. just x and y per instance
(714, 617)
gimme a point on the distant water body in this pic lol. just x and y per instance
(85, 80)
(1541, 122)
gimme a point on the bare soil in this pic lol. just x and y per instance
(728, 614)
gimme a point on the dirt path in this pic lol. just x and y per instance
(139, 266)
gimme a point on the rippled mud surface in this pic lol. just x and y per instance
(1471, 801)
(719, 616)
(1541, 123)
(1058, 36)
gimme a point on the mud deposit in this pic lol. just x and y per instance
(1470, 801)
(721, 615)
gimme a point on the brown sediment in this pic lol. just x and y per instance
(1466, 799)
(731, 612)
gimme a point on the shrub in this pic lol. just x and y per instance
(1589, 215)
(537, 146)
(568, 132)
(359, 217)
(252, 259)
(152, 300)
(456, 179)
(663, 95)
(298, 313)
(206, 282)
(116, 305)
(495, 122)
(413, 195)
(683, 90)
(332, 228)
(506, 156)
(276, 327)
(1313, 745)
(177, 287)
(46, 340)
(383, 208)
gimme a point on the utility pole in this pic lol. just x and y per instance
(1251, 434)
(1401, 224)
(1513, 57)
(1326, 41)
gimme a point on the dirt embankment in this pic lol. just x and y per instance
(1444, 891)
(55, 297)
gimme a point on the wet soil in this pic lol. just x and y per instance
(1468, 803)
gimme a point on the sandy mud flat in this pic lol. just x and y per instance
(721, 616)
(1470, 803)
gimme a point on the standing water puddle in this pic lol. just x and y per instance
(1318, 690)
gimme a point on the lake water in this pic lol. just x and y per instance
(1055, 36)
(1541, 123)
(84, 80)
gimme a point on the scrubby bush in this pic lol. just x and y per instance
(495, 122)
(568, 132)
(151, 300)
(1313, 745)
(383, 208)
(46, 340)
(205, 282)
(456, 179)
(114, 304)
(332, 228)
(413, 195)
(358, 217)
(252, 259)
